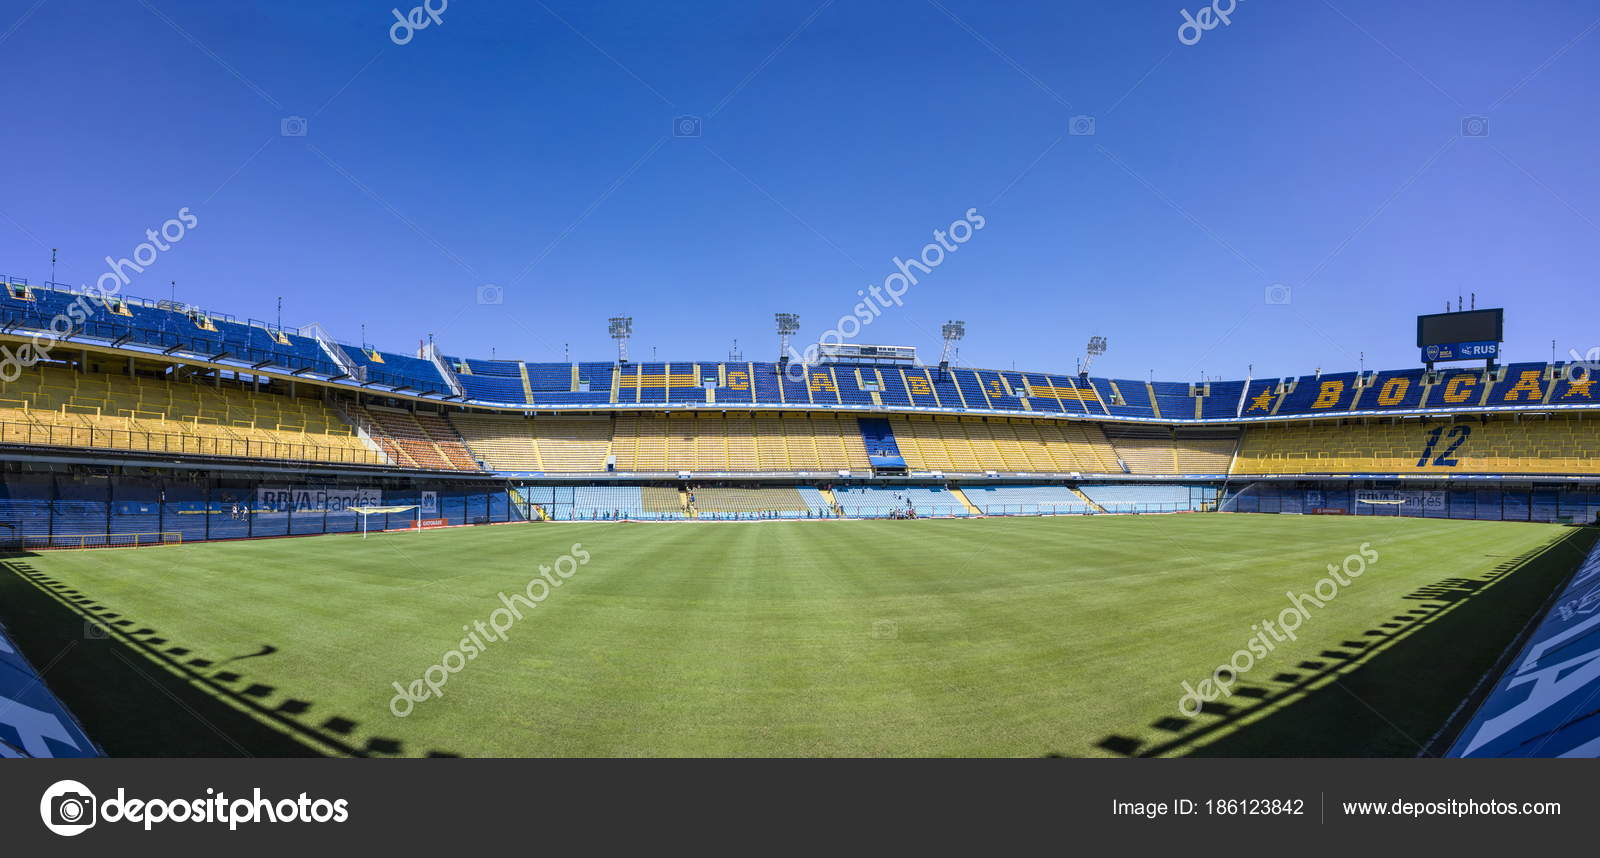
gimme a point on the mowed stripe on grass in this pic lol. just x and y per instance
(986, 637)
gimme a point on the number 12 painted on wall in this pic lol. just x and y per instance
(1460, 433)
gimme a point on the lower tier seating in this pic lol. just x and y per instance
(975, 444)
(875, 501)
(1002, 500)
(738, 442)
(553, 444)
(414, 440)
(783, 502)
(60, 407)
(1140, 498)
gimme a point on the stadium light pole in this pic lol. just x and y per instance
(1096, 348)
(788, 326)
(621, 328)
(952, 331)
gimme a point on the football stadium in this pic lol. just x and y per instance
(1112, 416)
(856, 554)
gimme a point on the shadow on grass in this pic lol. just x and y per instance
(139, 693)
(1397, 691)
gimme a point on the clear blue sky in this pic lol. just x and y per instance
(529, 145)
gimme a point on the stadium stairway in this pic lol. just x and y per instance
(965, 501)
(1087, 500)
(537, 512)
(833, 502)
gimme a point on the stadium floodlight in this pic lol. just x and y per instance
(1096, 348)
(952, 331)
(620, 328)
(788, 325)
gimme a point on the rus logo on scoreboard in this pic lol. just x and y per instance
(1461, 351)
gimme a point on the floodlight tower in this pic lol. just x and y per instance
(788, 326)
(1096, 348)
(953, 331)
(620, 328)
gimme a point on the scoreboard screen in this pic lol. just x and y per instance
(1469, 326)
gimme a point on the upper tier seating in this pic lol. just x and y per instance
(185, 330)
(397, 370)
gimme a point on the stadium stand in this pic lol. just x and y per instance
(555, 444)
(1521, 445)
(785, 502)
(58, 407)
(158, 381)
(790, 442)
(975, 444)
(1025, 500)
(1139, 498)
(416, 440)
(591, 502)
(886, 501)
(398, 371)
(145, 326)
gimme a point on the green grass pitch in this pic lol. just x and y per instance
(1013, 637)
